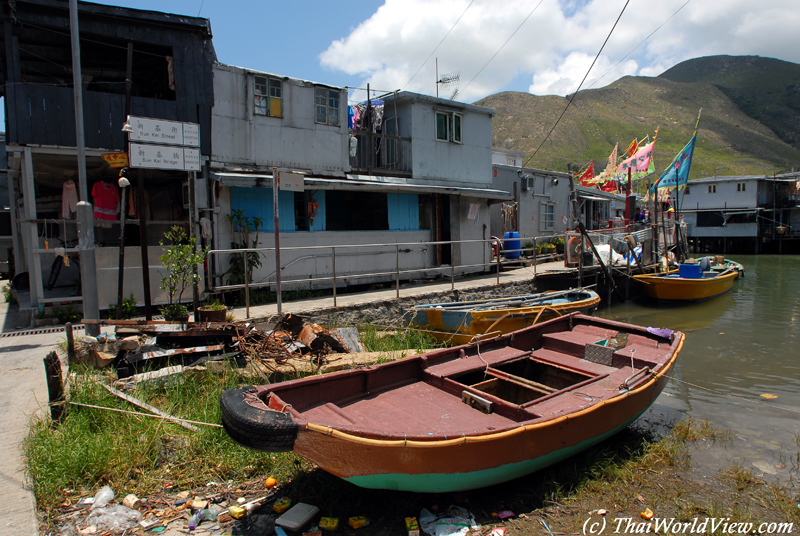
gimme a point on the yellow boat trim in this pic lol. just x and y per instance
(327, 430)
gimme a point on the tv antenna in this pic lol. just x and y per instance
(449, 80)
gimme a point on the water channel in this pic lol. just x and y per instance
(738, 347)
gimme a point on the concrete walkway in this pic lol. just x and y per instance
(23, 386)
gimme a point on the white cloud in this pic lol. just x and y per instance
(556, 45)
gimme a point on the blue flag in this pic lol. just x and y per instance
(677, 174)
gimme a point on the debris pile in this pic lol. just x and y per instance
(260, 507)
(144, 350)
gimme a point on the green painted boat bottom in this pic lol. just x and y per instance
(446, 482)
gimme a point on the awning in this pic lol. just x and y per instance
(374, 184)
(594, 198)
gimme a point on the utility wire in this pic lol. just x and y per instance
(503, 45)
(440, 44)
(581, 84)
(640, 44)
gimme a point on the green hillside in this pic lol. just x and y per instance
(730, 142)
(766, 89)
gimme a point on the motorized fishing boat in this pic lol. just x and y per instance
(689, 283)
(467, 416)
(460, 322)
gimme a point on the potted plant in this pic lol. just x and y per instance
(559, 243)
(180, 260)
(212, 312)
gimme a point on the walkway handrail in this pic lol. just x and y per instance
(493, 262)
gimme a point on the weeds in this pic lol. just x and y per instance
(128, 309)
(92, 447)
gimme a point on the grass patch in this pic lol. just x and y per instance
(153, 458)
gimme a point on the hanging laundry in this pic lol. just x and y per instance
(353, 145)
(106, 201)
(170, 73)
(69, 199)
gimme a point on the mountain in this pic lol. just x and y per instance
(766, 89)
(741, 99)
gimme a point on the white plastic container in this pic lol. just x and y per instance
(296, 517)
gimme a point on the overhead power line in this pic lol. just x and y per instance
(440, 44)
(569, 102)
(504, 44)
(596, 80)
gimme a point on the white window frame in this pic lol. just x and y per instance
(326, 106)
(547, 216)
(266, 91)
(453, 126)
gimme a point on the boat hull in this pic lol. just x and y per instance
(461, 322)
(468, 463)
(673, 288)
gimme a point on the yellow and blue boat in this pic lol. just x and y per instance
(689, 283)
(461, 322)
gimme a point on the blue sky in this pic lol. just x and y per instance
(544, 47)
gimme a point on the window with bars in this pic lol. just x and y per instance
(326, 106)
(267, 96)
(547, 216)
(448, 126)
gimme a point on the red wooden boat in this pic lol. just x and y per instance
(467, 416)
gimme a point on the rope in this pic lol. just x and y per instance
(145, 414)
(732, 396)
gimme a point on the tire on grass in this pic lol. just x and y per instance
(250, 423)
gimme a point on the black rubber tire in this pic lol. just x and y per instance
(255, 428)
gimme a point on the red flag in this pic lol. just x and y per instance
(586, 175)
(631, 150)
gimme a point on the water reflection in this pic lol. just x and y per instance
(738, 347)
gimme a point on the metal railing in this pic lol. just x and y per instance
(492, 262)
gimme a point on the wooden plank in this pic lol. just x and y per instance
(66, 117)
(91, 119)
(52, 120)
(104, 135)
(151, 409)
(172, 110)
(37, 114)
(55, 385)
(12, 77)
(117, 120)
(22, 105)
(180, 84)
(204, 116)
(177, 351)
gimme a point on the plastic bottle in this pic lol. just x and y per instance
(104, 496)
(207, 514)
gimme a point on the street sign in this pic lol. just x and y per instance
(163, 132)
(292, 182)
(164, 157)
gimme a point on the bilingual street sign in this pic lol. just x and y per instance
(163, 132)
(150, 156)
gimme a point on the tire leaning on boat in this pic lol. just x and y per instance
(254, 427)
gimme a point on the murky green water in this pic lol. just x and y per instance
(738, 347)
